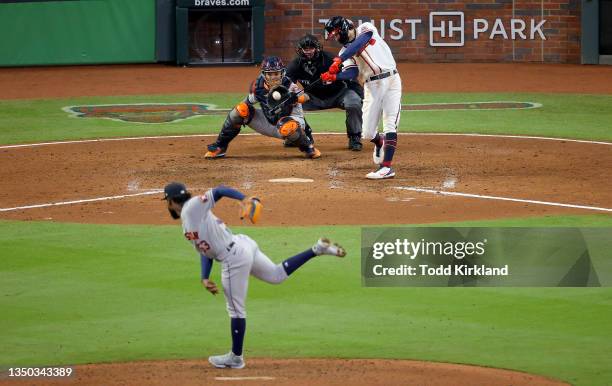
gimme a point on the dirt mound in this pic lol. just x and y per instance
(295, 372)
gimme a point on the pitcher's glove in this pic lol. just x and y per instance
(250, 208)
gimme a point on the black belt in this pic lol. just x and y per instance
(230, 246)
(382, 76)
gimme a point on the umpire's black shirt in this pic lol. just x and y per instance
(308, 71)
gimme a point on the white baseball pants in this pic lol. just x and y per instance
(381, 97)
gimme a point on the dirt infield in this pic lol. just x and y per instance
(296, 372)
(339, 194)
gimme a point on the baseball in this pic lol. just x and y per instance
(276, 95)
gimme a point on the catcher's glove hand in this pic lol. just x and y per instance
(250, 208)
(282, 106)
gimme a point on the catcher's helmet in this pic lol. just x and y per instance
(308, 41)
(273, 70)
(339, 26)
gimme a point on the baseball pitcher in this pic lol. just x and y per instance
(365, 54)
(280, 114)
(238, 255)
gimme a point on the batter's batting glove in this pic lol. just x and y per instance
(336, 66)
(328, 77)
(250, 208)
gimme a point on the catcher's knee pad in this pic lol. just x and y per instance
(287, 126)
(245, 111)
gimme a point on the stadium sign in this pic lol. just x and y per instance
(448, 29)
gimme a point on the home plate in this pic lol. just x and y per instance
(292, 180)
(244, 378)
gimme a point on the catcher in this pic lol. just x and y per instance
(280, 114)
(238, 254)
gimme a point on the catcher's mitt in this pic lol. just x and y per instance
(283, 106)
(250, 208)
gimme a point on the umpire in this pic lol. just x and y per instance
(307, 67)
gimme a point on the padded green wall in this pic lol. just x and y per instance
(77, 32)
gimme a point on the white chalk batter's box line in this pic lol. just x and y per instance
(162, 137)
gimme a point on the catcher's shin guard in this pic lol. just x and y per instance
(308, 131)
(230, 129)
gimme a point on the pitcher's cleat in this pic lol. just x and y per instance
(325, 247)
(229, 360)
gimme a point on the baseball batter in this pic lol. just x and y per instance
(280, 114)
(365, 54)
(238, 254)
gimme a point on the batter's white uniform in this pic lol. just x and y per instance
(382, 95)
(239, 255)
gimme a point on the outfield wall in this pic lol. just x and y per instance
(37, 32)
(77, 32)
(483, 30)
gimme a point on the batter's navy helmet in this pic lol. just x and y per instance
(339, 26)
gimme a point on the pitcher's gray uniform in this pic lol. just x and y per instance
(239, 255)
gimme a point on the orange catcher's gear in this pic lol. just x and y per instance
(287, 127)
(243, 110)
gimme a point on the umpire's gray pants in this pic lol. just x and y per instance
(348, 100)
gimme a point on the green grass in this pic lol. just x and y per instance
(567, 116)
(73, 293)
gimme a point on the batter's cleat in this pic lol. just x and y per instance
(313, 153)
(325, 247)
(214, 151)
(382, 173)
(378, 155)
(229, 360)
(354, 144)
